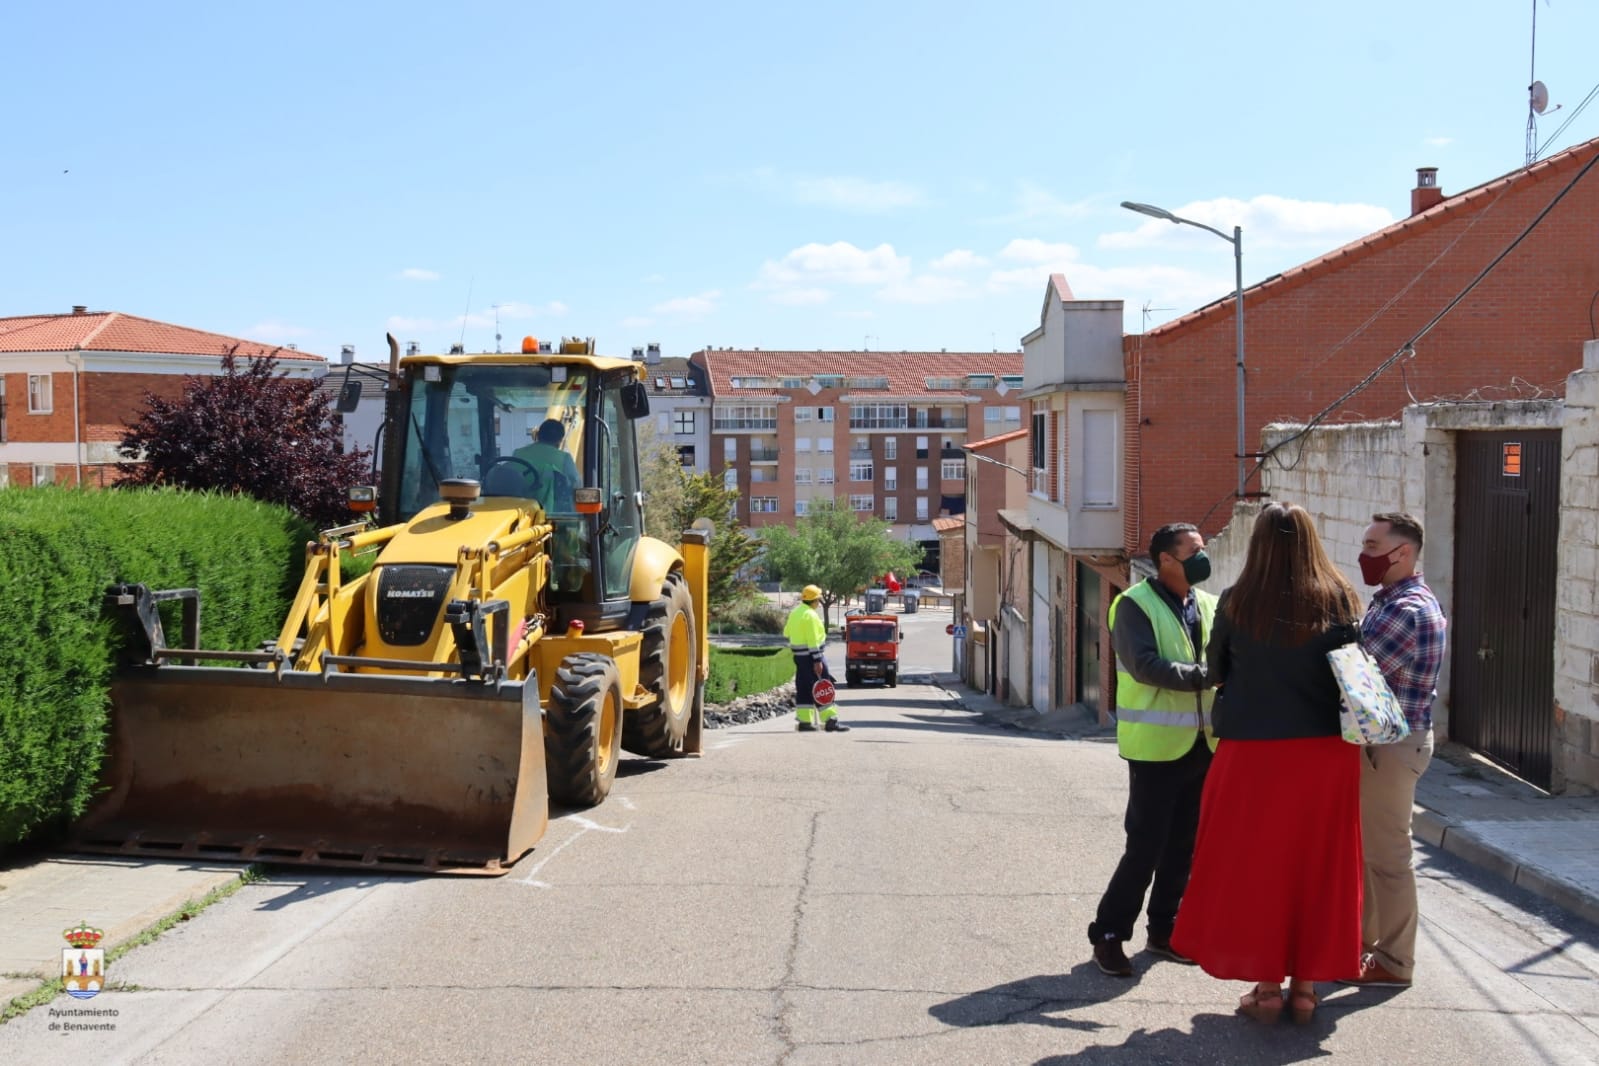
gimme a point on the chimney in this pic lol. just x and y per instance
(1426, 193)
(652, 354)
(638, 353)
(80, 309)
(346, 353)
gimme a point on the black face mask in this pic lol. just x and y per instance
(1196, 567)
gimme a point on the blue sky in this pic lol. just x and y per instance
(825, 175)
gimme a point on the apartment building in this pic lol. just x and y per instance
(69, 384)
(680, 405)
(883, 433)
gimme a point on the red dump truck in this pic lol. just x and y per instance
(871, 648)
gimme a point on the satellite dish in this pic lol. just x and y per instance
(1540, 96)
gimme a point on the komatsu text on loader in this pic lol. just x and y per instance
(516, 631)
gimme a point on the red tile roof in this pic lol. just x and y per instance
(944, 525)
(1003, 438)
(1471, 199)
(907, 372)
(112, 331)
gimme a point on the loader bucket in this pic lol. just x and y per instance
(361, 770)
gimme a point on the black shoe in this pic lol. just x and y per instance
(1161, 945)
(806, 727)
(1111, 959)
(835, 726)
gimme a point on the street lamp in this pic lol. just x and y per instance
(1237, 241)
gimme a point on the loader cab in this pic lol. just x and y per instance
(557, 432)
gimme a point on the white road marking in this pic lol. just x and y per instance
(586, 824)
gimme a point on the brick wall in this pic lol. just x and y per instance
(1313, 333)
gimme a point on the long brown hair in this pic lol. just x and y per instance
(1289, 589)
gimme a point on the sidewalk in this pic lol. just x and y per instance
(1465, 805)
(122, 897)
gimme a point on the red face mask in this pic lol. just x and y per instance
(1373, 567)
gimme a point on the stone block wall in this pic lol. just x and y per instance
(1576, 727)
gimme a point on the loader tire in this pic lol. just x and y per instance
(582, 741)
(667, 671)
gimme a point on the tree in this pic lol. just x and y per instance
(252, 431)
(836, 550)
(675, 498)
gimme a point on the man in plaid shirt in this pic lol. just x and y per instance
(1404, 632)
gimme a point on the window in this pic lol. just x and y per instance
(685, 455)
(683, 422)
(804, 414)
(953, 470)
(878, 416)
(2, 413)
(891, 508)
(763, 505)
(730, 478)
(824, 445)
(679, 383)
(921, 477)
(1099, 458)
(801, 507)
(824, 414)
(830, 381)
(744, 416)
(792, 383)
(890, 478)
(860, 503)
(890, 447)
(979, 381)
(860, 471)
(824, 476)
(44, 473)
(802, 444)
(921, 508)
(1012, 380)
(39, 394)
(942, 383)
(921, 447)
(802, 475)
(993, 415)
(1040, 444)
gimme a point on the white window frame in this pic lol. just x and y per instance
(860, 470)
(41, 394)
(824, 414)
(804, 414)
(824, 476)
(824, 445)
(891, 508)
(921, 508)
(684, 422)
(763, 505)
(890, 478)
(802, 475)
(953, 469)
(801, 508)
(44, 474)
(802, 444)
(921, 478)
(890, 447)
(861, 501)
(730, 448)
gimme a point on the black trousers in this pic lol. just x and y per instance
(1162, 821)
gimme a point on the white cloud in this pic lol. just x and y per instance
(1034, 203)
(1267, 221)
(839, 263)
(927, 289)
(1438, 142)
(857, 194)
(1032, 250)
(274, 329)
(418, 274)
(800, 297)
(689, 306)
(959, 259)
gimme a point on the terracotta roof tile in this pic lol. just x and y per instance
(1003, 438)
(112, 331)
(907, 372)
(943, 525)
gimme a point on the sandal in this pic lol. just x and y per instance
(1263, 1005)
(1303, 1002)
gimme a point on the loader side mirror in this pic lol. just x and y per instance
(635, 400)
(349, 397)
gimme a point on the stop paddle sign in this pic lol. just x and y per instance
(823, 692)
(949, 630)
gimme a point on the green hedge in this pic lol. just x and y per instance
(59, 549)
(742, 671)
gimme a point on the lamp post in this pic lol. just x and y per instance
(1237, 241)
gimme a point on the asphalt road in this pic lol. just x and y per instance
(913, 891)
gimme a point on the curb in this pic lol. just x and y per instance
(1431, 827)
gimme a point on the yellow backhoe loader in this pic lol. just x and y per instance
(515, 632)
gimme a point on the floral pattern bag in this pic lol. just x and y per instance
(1370, 713)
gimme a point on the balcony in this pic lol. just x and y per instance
(861, 454)
(763, 455)
(744, 425)
(950, 423)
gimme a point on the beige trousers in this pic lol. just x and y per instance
(1387, 790)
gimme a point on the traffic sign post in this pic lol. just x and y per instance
(959, 632)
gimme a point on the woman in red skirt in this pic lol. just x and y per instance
(1276, 886)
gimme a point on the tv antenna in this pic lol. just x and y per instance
(1148, 310)
(496, 328)
(1537, 94)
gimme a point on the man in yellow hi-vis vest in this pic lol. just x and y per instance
(1159, 628)
(807, 635)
